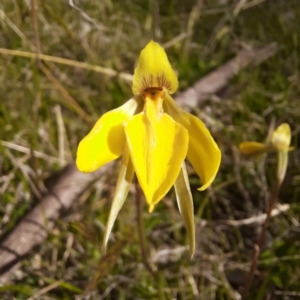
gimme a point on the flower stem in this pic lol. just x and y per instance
(143, 244)
(141, 232)
(260, 240)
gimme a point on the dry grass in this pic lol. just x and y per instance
(49, 110)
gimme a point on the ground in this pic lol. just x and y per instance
(50, 109)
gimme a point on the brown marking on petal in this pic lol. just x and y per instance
(161, 81)
(164, 82)
(147, 82)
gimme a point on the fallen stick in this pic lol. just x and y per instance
(218, 79)
(259, 219)
(34, 227)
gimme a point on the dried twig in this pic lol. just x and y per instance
(26, 150)
(259, 219)
(68, 62)
(261, 238)
(70, 100)
(34, 227)
(218, 79)
(86, 17)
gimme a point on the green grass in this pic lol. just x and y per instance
(70, 260)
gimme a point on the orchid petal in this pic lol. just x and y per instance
(254, 148)
(155, 153)
(203, 152)
(186, 206)
(283, 160)
(281, 140)
(154, 70)
(106, 140)
(281, 137)
(121, 191)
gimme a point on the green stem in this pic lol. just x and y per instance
(143, 243)
(141, 232)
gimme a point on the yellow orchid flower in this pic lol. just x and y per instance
(280, 142)
(154, 136)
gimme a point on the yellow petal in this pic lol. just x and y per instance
(203, 152)
(281, 137)
(154, 70)
(120, 195)
(186, 206)
(282, 164)
(254, 148)
(106, 140)
(157, 148)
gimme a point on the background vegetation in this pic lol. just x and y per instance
(199, 36)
